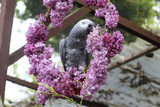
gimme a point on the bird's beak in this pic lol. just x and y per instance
(90, 27)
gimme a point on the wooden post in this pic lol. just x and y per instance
(6, 20)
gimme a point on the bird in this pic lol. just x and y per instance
(72, 49)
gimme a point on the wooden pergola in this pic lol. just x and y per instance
(6, 59)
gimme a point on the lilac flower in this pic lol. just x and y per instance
(48, 52)
(110, 14)
(42, 18)
(62, 82)
(41, 63)
(97, 73)
(42, 97)
(49, 3)
(31, 49)
(114, 43)
(61, 10)
(98, 3)
(57, 18)
(77, 76)
(36, 33)
(94, 41)
(103, 46)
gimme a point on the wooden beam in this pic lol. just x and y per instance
(133, 58)
(138, 31)
(16, 55)
(89, 103)
(70, 19)
(22, 82)
(132, 28)
(6, 20)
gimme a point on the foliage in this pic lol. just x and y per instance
(136, 10)
(15, 67)
(33, 9)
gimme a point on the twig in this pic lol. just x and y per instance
(149, 77)
(48, 20)
(87, 68)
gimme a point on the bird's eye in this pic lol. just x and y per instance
(83, 22)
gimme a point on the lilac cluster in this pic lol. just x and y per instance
(40, 61)
(94, 41)
(113, 43)
(100, 44)
(64, 83)
(98, 3)
(60, 82)
(49, 3)
(60, 8)
(110, 14)
(97, 73)
(103, 46)
(36, 37)
(42, 98)
(39, 56)
(37, 33)
(42, 67)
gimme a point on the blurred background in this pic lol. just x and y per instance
(132, 85)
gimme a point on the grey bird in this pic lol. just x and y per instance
(73, 49)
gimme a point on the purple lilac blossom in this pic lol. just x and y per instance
(36, 33)
(94, 41)
(111, 15)
(49, 3)
(98, 3)
(103, 46)
(97, 73)
(62, 82)
(62, 8)
(42, 17)
(114, 43)
(44, 69)
(42, 98)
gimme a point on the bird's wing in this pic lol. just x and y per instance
(87, 57)
(62, 51)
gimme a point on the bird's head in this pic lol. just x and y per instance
(82, 29)
(86, 25)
